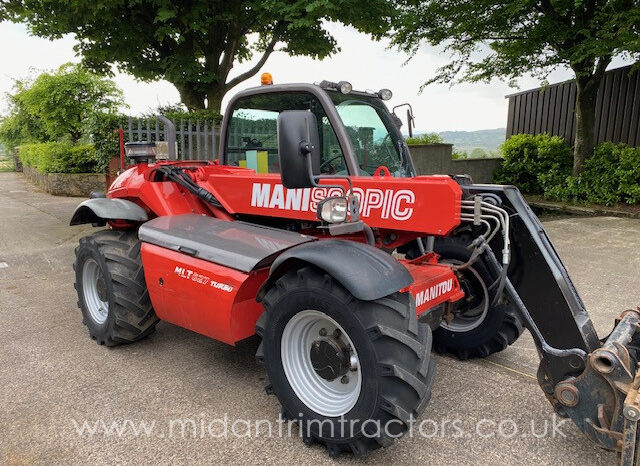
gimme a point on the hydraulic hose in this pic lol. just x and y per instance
(184, 180)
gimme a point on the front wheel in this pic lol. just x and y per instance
(352, 373)
(477, 328)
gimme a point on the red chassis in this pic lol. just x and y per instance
(220, 301)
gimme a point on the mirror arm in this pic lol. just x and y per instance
(315, 178)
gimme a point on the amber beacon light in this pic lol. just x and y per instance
(266, 79)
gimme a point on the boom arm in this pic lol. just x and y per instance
(593, 383)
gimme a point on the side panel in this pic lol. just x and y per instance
(433, 284)
(426, 204)
(207, 298)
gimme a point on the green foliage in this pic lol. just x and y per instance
(426, 138)
(490, 39)
(102, 131)
(457, 155)
(611, 176)
(55, 106)
(59, 157)
(178, 112)
(195, 44)
(542, 165)
(193, 115)
(62, 100)
(534, 163)
(479, 153)
(6, 161)
(523, 36)
(20, 126)
(17, 128)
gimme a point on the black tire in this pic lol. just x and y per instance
(394, 353)
(115, 257)
(501, 325)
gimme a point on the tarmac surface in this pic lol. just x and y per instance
(54, 379)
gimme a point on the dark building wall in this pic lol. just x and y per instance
(551, 109)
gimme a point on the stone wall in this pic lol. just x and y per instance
(480, 170)
(435, 159)
(66, 184)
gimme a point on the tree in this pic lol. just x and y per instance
(56, 105)
(426, 138)
(195, 43)
(20, 126)
(506, 39)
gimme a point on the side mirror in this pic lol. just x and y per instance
(298, 148)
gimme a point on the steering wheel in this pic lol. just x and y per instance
(328, 161)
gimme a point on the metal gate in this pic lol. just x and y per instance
(194, 139)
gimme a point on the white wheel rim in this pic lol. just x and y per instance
(461, 323)
(91, 276)
(328, 398)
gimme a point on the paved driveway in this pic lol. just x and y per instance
(53, 377)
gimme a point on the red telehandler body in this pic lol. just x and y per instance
(312, 230)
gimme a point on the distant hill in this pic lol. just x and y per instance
(488, 140)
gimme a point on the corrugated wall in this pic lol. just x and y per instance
(551, 109)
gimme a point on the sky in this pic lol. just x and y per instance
(365, 63)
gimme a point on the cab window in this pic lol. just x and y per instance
(370, 129)
(252, 137)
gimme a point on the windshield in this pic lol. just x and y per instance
(370, 129)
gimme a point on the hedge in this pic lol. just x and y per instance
(542, 164)
(533, 162)
(59, 157)
(611, 176)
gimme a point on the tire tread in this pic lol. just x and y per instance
(406, 373)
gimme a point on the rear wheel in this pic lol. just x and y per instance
(352, 373)
(112, 293)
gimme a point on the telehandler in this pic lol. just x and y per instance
(313, 231)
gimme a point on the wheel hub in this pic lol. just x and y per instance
(94, 289)
(330, 358)
(321, 363)
(101, 289)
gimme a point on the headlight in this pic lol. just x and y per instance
(333, 209)
(345, 87)
(385, 94)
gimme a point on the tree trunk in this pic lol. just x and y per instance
(192, 99)
(587, 90)
(214, 98)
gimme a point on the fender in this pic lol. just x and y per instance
(366, 272)
(100, 210)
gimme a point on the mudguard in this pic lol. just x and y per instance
(366, 272)
(100, 210)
